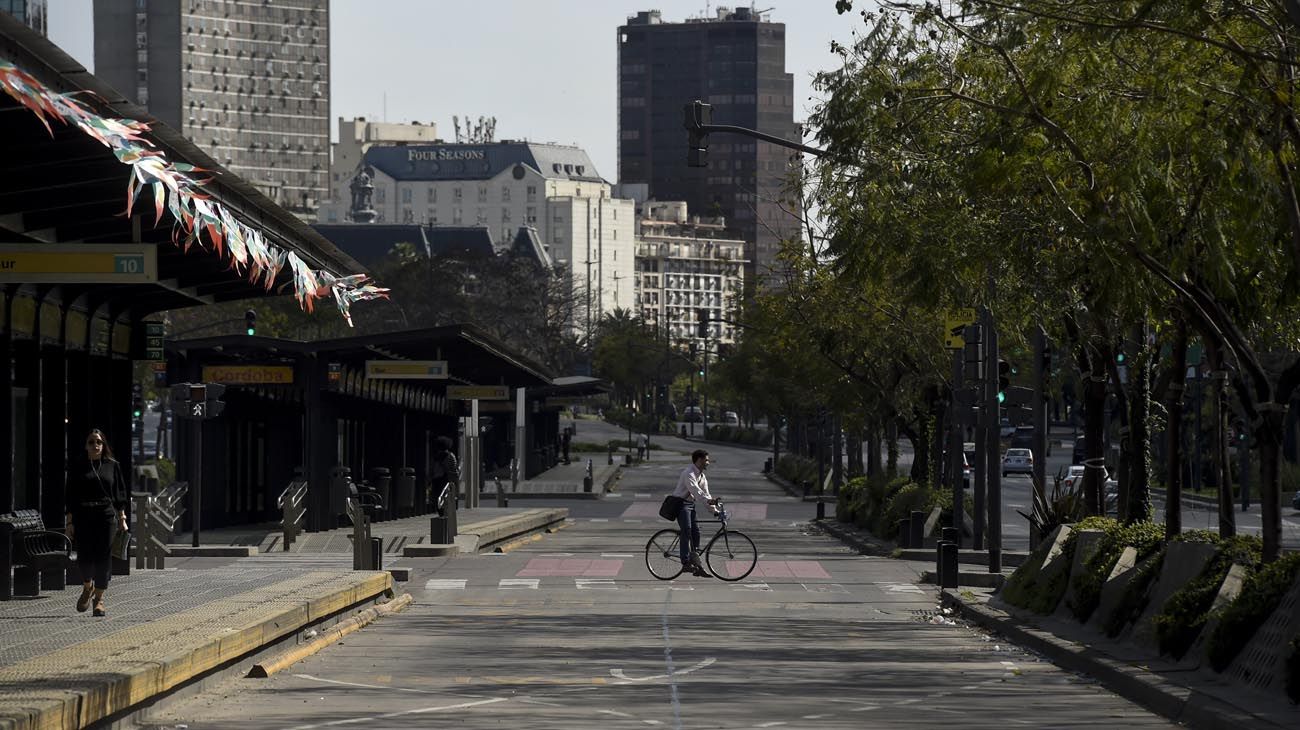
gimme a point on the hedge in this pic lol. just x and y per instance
(1185, 615)
(1135, 598)
(1025, 590)
(1259, 597)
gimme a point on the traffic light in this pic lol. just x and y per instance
(137, 401)
(1119, 358)
(250, 322)
(974, 355)
(697, 151)
(213, 394)
(1004, 379)
(702, 326)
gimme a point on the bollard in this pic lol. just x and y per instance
(821, 509)
(611, 456)
(916, 530)
(627, 460)
(501, 493)
(381, 481)
(767, 466)
(807, 488)
(376, 553)
(948, 577)
(903, 529)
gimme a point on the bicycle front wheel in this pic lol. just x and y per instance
(731, 555)
(661, 555)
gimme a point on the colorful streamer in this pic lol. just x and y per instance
(198, 219)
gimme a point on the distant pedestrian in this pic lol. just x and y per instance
(564, 443)
(96, 496)
(693, 487)
(444, 472)
(643, 446)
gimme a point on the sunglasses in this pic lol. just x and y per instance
(94, 442)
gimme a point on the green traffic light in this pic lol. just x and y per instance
(137, 414)
(251, 331)
(1001, 396)
(1120, 358)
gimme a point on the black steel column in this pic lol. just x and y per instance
(992, 456)
(956, 454)
(1040, 424)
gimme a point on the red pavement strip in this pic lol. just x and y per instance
(576, 567)
(737, 512)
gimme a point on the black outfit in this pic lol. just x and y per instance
(96, 492)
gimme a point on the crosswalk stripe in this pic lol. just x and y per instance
(516, 583)
(445, 584)
(594, 584)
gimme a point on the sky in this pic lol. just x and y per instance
(546, 69)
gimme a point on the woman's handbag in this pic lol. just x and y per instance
(671, 506)
(121, 548)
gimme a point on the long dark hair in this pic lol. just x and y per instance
(108, 450)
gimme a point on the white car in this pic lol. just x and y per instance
(1018, 461)
(1072, 478)
(731, 418)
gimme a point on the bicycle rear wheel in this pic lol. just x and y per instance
(731, 555)
(661, 555)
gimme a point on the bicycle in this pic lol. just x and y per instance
(736, 554)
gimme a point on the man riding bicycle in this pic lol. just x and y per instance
(693, 487)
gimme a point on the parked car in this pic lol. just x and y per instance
(1079, 453)
(1018, 461)
(693, 414)
(1295, 501)
(731, 418)
(1072, 478)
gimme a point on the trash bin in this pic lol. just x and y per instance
(404, 491)
(440, 532)
(381, 482)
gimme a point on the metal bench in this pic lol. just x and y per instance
(26, 545)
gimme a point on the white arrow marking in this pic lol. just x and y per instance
(618, 673)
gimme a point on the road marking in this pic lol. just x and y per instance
(594, 584)
(617, 555)
(902, 588)
(814, 717)
(516, 583)
(672, 588)
(668, 662)
(634, 522)
(753, 587)
(824, 588)
(642, 495)
(600, 519)
(618, 673)
(445, 584)
(556, 555)
(615, 713)
(771, 724)
(367, 686)
(417, 711)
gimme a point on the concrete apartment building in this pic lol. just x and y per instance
(507, 185)
(247, 81)
(32, 12)
(685, 264)
(734, 60)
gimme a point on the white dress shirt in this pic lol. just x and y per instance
(693, 485)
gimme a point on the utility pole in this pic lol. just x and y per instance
(956, 455)
(993, 462)
(975, 375)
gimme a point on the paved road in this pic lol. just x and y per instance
(571, 631)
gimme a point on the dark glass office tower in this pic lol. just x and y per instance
(32, 12)
(736, 62)
(248, 82)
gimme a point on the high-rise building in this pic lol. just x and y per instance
(734, 61)
(248, 82)
(31, 12)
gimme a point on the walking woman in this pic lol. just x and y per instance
(96, 504)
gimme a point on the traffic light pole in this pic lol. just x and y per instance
(196, 490)
(956, 455)
(1040, 425)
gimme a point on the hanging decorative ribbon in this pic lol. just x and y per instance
(198, 220)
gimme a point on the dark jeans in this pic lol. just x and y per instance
(689, 527)
(95, 526)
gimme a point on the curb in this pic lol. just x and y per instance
(286, 659)
(732, 444)
(1173, 701)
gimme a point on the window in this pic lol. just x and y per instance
(433, 194)
(532, 193)
(505, 215)
(456, 193)
(531, 214)
(482, 193)
(505, 193)
(431, 215)
(380, 194)
(481, 215)
(455, 216)
(406, 195)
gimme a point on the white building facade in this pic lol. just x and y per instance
(686, 265)
(355, 137)
(503, 186)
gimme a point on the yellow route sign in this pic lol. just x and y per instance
(955, 321)
(78, 263)
(478, 392)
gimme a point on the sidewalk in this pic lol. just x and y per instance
(172, 629)
(1182, 692)
(563, 480)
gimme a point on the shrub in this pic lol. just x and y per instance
(166, 470)
(1259, 597)
(851, 499)
(1187, 611)
(1146, 537)
(796, 469)
(1027, 590)
(1135, 598)
(907, 499)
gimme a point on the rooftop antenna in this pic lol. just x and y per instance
(384, 118)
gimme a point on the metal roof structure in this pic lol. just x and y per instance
(63, 186)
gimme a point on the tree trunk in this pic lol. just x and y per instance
(1174, 436)
(936, 435)
(873, 451)
(1222, 466)
(1094, 434)
(891, 443)
(1138, 505)
(1269, 434)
